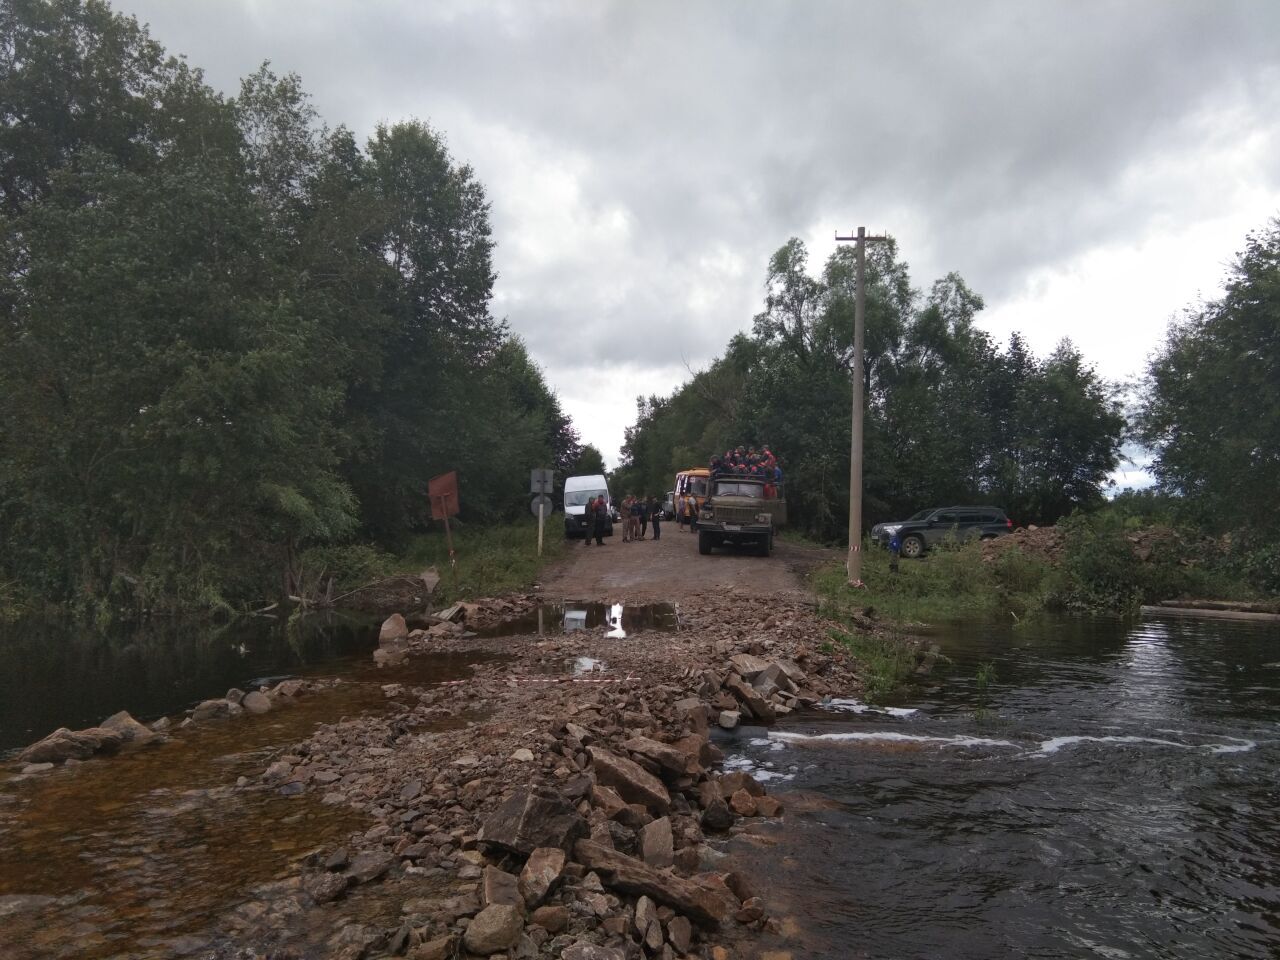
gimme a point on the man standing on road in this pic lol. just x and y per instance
(655, 513)
(589, 521)
(643, 506)
(602, 520)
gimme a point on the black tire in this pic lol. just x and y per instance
(704, 543)
(766, 548)
(913, 546)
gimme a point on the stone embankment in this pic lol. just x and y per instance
(534, 812)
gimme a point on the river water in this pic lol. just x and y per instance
(1101, 789)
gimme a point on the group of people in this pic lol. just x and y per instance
(637, 514)
(750, 462)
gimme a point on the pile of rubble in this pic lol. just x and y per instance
(579, 832)
(1043, 543)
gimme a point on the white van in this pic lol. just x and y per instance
(577, 491)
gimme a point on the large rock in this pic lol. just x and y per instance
(529, 819)
(209, 709)
(736, 780)
(750, 698)
(394, 629)
(498, 886)
(552, 918)
(747, 666)
(632, 781)
(324, 887)
(367, 867)
(494, 928)
(656, 843)
(62, 744)
(256, 702)
(626, 873)
(540, 874)
(129, 728)
(680, 933)
(664, 754)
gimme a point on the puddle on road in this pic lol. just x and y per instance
(142, 854)
(567, 617)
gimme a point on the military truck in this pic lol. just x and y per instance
(741, 510)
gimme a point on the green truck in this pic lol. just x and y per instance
(741, 510)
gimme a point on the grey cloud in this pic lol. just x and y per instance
(1009, 132)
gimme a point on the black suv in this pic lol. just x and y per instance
(928, 528)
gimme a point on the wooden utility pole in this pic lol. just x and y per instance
(859, 379)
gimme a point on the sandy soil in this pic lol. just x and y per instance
(671, 569)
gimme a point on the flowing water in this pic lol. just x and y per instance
(1069, 789)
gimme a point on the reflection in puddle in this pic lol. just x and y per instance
(574, 616)
(615, 621)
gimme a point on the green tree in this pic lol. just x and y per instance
(1212, 408)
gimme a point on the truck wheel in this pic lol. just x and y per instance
(912, 546)
(704, 542)
(766, 546)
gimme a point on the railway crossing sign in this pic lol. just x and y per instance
(542, 482)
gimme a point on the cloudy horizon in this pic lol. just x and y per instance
(1089, 168)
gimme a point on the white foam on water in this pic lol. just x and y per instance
(890, 736)
(759, 772)
(766, 742)
(857, 706)
(1237, 746)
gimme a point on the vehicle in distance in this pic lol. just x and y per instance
(737, 512)
(928, 528)
(577, 491)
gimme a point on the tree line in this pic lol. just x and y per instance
(228, 331)
(951, 416)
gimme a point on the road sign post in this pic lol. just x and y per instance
(541, 483)
(443, 492)
(540, 506)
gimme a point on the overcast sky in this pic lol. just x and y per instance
(1088, 167)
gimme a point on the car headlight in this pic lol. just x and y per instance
(762, 518)
(892, 528)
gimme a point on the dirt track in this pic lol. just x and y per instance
(672, 569)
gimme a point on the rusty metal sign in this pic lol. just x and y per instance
(443, 491)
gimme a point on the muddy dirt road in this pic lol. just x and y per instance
(672, 569)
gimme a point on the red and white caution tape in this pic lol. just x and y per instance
(456, 683)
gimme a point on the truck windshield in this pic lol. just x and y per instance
(579, 498)
(739, 488)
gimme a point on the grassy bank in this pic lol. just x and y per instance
(1100, 567)
(946, 585)
(491, 560)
